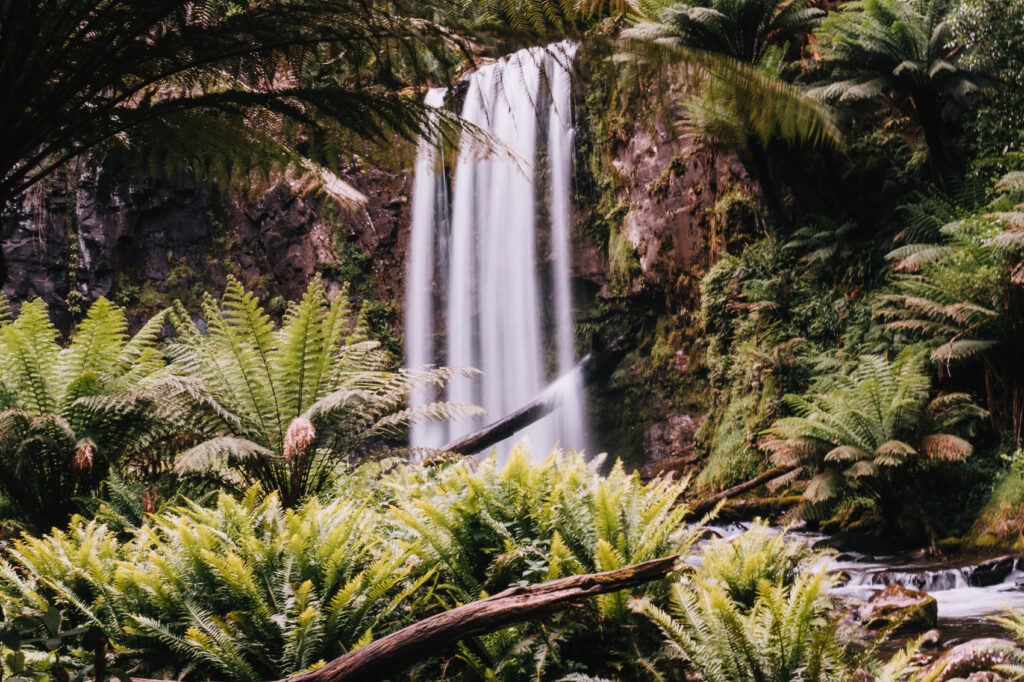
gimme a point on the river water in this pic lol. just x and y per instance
(969, 590)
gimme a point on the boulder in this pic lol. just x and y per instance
(991, 572)
(909, 610)
(973, 660)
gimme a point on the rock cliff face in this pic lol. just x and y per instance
(676, 194)
(676, 182)
(139, 240)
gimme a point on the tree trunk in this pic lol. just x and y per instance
(752, 507)
(431, 636)
(931, 124)
(762, 173)
(708, 503)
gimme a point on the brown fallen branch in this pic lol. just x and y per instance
(599, 362)
(751, 507)
(426, 638)
(702, 507)
(497, 431)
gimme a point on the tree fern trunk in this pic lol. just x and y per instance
(762, 173)
(931, 124)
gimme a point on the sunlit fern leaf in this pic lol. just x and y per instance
(961, 349)
(709, 630)
(946, 447)
(1007, 240)
(845, 453)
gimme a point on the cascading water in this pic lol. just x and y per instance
(427, 219)
(496, 301)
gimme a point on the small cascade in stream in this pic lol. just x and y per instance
(967, 590)
(485, 269)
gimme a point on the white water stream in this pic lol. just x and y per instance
(501, 312)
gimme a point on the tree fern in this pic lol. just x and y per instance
(218, 88)
(957, 295)
(68, 414)
(870, 50)
(850, 437)
(787, 633)
(282, 407)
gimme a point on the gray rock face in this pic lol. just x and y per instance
(670, 446)
(100, 233)
(674, 185)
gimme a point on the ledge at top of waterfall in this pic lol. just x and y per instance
(489, 261)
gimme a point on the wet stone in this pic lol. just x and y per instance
(908, 610)
(992, 572)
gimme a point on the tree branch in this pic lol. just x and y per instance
(388, 655)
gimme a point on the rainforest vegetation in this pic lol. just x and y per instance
(218, 483)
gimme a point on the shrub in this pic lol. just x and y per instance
(67, 415)
(787, 634)
(246, 589)
(739, 565)
(856, 433)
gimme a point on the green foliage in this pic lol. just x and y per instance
(739, 565)
(854, 434)
(220, 90)
(623, 265)
(1013, 622)
(724, 109)
(990, 31)
(733, 455)
(243, 589)
(540, 18)
(877, 48)
(767, 325)
(38, 646)
(246, 589)
(742, 29)
(499, 526)
(958, 292)
(282, 407)
(67, 415)
(950, 295)
(747, 101)
(787, 633)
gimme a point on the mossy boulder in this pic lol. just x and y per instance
(908, 610)
(1001, 522)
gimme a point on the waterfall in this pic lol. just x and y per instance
(427, 220)
(501, 313)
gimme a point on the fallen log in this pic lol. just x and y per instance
(599, 362)
(497, 431)
(426, 638)
(751, 507)
(702, 507)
